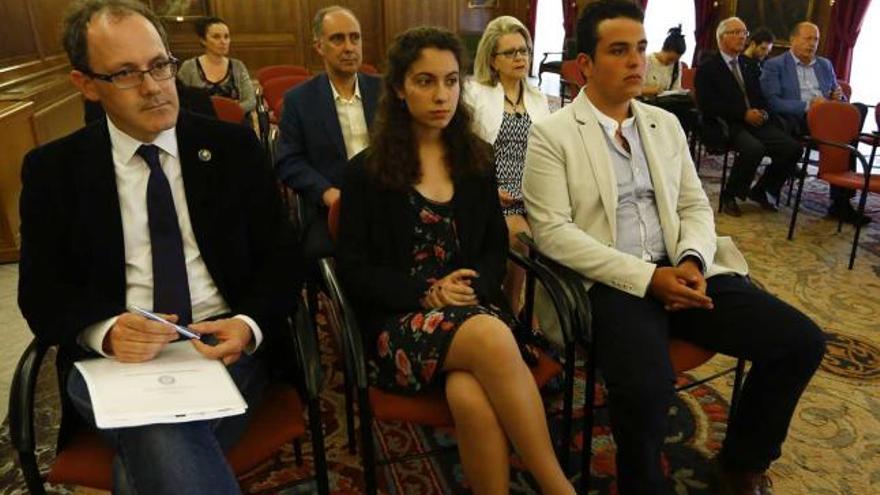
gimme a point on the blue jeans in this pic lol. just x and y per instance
(182, 457)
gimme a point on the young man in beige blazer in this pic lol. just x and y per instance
(612, 192)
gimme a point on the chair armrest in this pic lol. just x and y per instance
(574, 284)
(21, 397)
(352, 344)
(852, 151)
(560, 298)
(306, 347)
(546, 54)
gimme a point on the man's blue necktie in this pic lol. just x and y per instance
(170, 283)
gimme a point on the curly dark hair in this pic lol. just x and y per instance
(392, 158)
(202, 24)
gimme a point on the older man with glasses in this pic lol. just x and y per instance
(726, 90)
(154, 208)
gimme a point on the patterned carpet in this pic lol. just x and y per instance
(834, 441)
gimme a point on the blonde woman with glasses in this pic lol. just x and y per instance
(505, 105)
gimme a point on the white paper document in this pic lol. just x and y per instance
(674, 92)
(179, 385)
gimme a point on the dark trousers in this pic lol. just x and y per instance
(752, 145)
(631, 335)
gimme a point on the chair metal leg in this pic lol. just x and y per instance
(797, 201)
(723, 183)
(318, 451)
(803, 172)
(349, 409)
(862, 201)
(368, 453)
(564, 450)
(31, 472)
(737, 387)
(589, 404)
(298, 452)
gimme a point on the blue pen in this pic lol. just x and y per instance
(186, 332)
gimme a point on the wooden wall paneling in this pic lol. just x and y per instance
(264, 32)
(16, 139)
(369, 14)
(15, 31)
(401, 15)
(475, 20)
(47, 16)
(58, 119)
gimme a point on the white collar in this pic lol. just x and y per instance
(798, 62)
(125, 146)
(608, 124)
(728, 58)
(337, 96)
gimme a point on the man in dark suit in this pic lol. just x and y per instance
(795, 81)
(325, 121)
(167, 211)
(725, 89)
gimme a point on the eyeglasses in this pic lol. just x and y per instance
(513, 53)
(132, 78)
(738, 32)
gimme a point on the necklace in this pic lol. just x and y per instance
(518, 100)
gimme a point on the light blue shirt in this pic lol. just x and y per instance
(639, 232)
(807, 80)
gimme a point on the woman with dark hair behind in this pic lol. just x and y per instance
(422, 249)
(664, 67)
(215, 70)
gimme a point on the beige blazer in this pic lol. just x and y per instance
(570, 193)
(488, 105)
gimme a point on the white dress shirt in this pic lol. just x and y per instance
(659, 74)
(807, 80)
(638, 222)
(352, 120)
(132, 174)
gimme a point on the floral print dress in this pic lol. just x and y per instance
(411, 347)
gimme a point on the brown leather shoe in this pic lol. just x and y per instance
(729, 206)
(729, 481)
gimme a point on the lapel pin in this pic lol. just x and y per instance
(204, 155)
(653, 126)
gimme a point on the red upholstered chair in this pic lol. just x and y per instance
(83, 459)
(833, 126)
(268, 72)
(687, 77)
(684, 355)
(369, 69)
(274, 89)
(227, 109)
(374, 404)
(572, 80)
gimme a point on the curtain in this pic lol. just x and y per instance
(844, 28)
(532, 18)
(569, 14)
(705, 12)
(643, 3)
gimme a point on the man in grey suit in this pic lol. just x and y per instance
(613, 194)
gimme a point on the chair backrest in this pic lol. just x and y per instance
(572, 74)
(837, 122)
(845, 88)
(274, 89)
(688, 75)
(272, 71)
(369, 69)
(877, 115)
(227, 109)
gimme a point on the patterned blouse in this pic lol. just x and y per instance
(510, 158)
